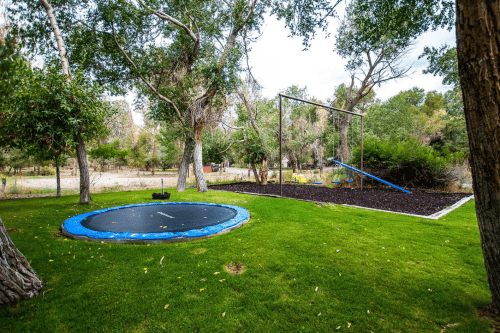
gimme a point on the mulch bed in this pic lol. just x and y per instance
(418, 202)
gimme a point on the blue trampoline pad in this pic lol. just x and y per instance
(156, 221)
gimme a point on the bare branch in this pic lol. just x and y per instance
(167, 17)
(131, 62)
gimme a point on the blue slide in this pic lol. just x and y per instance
(371, 176)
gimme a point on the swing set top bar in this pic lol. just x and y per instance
(321, 105)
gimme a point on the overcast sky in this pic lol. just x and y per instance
(278, 62)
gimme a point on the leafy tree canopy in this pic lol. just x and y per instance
(443, 62)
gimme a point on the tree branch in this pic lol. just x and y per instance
(173, 20)
(160, 96)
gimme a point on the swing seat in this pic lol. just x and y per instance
(348, 181)
(317, 183)
(335, 181)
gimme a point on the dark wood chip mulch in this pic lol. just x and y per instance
(418, 202)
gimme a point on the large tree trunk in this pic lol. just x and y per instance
(17, 279)
(478, 52)
(184, 167)
(81, 155)
(201, 183)
(58, 176)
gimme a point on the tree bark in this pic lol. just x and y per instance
(201, 183)
(59, 40)
(58, 176)
(184, 167)
(344, 138)
(255, 173)
(81, 155)
(478, 53)
(17, 279)
(264, 170)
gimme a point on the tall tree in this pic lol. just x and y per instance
(478, 37)
(18, 280)
(255, 106)
(370, 62)
(39, 25)
(182, 55)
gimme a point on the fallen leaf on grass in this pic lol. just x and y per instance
(166, 306)
(202, 289)
(216, 273)
(223, 314)
(348, 325)
(222, 280)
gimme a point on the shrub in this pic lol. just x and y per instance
(407, 163)
(46, 171)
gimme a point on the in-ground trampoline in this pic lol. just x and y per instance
(156, 222)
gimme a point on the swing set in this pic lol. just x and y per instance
(348, 167)
(349, 179)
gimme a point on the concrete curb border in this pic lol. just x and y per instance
(434, 216)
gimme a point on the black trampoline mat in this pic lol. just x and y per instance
(159, 218)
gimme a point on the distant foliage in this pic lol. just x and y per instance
(46, 171)
(407, 163)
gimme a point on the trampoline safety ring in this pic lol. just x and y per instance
(156, 222)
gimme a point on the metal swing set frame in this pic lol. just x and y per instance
(326, 107)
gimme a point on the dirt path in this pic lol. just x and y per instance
(111, 181)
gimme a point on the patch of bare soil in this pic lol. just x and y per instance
(235, 269)
(488, 314)
(417, 202)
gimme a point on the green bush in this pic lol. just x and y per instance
(46, 171)
(407, 163)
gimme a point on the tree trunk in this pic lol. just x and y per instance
(201, 183)
(184, 167)
(58, 176)
(17, 279)
(478, 53)
(264, 170)
(81, 155)
(293, 162)
(59, 40)
(345, 154)
(255, 173)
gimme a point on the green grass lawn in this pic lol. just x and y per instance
(306, 269)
